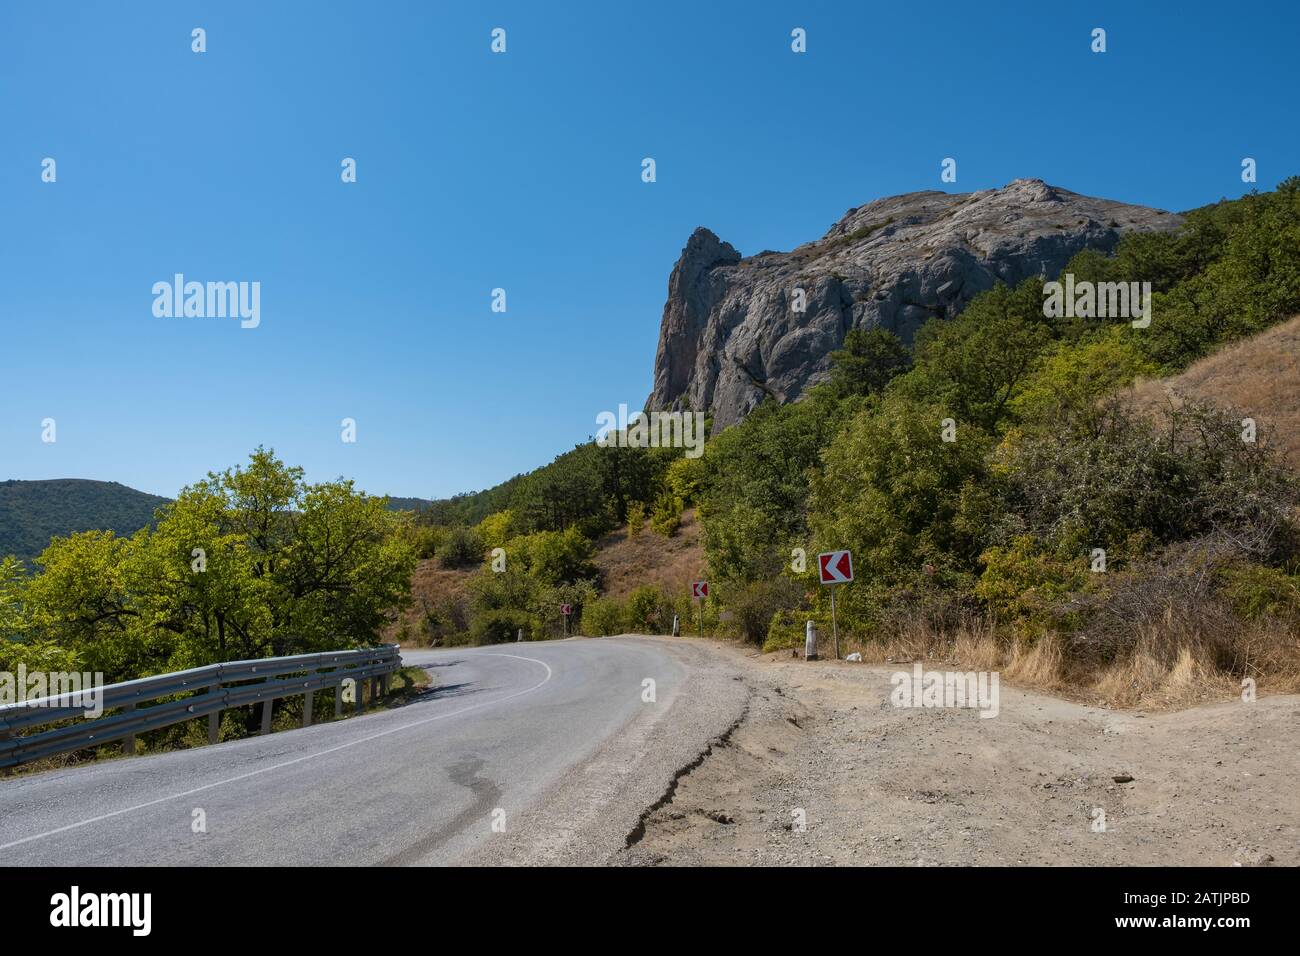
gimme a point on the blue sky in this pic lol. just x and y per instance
(519, 171)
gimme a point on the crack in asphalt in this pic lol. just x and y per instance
(637, 833)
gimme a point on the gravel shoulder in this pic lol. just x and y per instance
(825, 770)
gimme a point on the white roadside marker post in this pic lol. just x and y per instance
(810, 642)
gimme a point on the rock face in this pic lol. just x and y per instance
(730, 332)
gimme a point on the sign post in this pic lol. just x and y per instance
(566, 610)
(700, 590)
(835, 567)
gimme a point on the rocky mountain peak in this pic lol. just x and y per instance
(731, 334)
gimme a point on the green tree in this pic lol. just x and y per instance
(1070, 379)
(974, 366)
(868, 361)
(899, 496)
(252, 562)
(13, 585)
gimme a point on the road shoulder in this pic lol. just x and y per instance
(825, 770)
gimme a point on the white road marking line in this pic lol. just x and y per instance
(295, 760)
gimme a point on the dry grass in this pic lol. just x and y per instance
(431, 586)
(1147, 676)
(1259, 375)
(672, 563)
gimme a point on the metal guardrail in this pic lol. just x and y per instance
(205, 693)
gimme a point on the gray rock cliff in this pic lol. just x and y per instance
(730, 334)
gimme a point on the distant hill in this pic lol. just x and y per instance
(408, 504)
(32, 512)
(1259, 375)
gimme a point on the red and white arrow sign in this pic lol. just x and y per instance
(566, 609)
(700, 589)
(836, 567)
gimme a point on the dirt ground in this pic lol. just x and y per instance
(826, 770)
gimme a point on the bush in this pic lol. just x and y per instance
(495, 530)
(499, 626)
(1162, 607)
(635, 518)
(461, 548)
(900, 497)
(753, 606)
(444, 622)
(1258, 592)
(552, 558)
(683, 478)
(1132, 479)
(603, 617)
(666, 517)
(790, 629)
(1071, 378)
(649, 610)
(425, 540)
(1022, 583)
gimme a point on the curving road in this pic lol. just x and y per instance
(524, 753)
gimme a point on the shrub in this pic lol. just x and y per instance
(553, 557)
(649, 610)
(444, 622)
(900, 497)
(500, 625)
(666, 517)
(790, 629)
(684, 477)
(1071, 378)
(1188, 477)
(635, 518)
(753, 606)
(461, 548)
(495, 530)
(425, 540)
(1022, 583)
(1257, 592)
(603, 617)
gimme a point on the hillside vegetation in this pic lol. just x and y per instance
(33, 512)
(1261, 373)
(1007, 499)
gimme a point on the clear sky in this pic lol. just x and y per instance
(521, 171)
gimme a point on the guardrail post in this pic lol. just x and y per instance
(266, 715)
(307, 701)
(214, 719)
(383, 684)
(128, 742)
(338, 699)
(361, 696)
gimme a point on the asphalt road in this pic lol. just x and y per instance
(525, 753)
